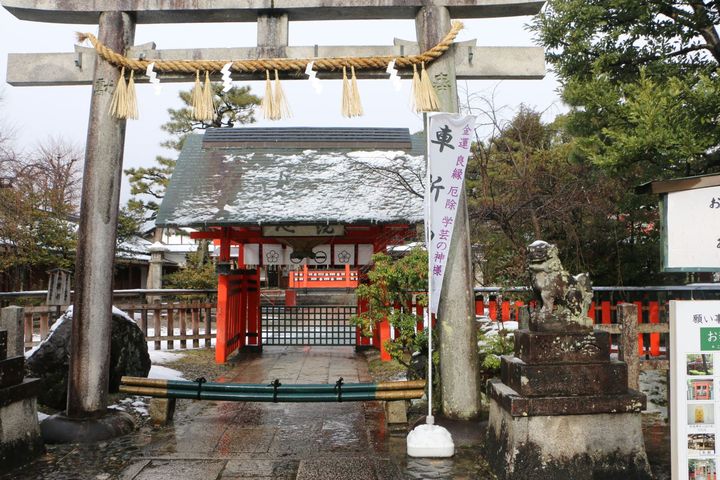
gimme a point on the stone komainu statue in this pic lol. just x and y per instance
(565, 299)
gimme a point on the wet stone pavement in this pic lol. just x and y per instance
(234, 440)
(303, 441)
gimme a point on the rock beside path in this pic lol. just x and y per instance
(50, 360)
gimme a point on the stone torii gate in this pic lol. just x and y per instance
(88, 379)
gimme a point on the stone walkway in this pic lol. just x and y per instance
(225, 440)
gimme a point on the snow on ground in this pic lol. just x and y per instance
(161, 357)
(132, 404)
(164, 373)
(653, 383)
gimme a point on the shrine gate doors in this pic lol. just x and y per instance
(238, 312)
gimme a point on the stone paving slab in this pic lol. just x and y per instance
(181, 469)
(347, 469)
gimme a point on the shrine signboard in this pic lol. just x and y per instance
(695, 338)
(691, 226)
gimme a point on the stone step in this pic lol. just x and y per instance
(547, 347)
(564, 379)
(519, 406)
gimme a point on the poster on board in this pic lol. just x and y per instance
(694, 376)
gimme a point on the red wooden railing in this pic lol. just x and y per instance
(382, 332)
(306, 278)
(603, 312)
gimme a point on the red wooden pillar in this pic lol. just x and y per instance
(654, 316)
(493, 310)
(223, 303)
(479, 306)
(384, 335)
(641, 346)
(347, 283)
(591, 313)
(222, 320)
(505, 311)
(606, 310)
(290, 298)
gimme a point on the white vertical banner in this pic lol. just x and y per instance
(449, 139)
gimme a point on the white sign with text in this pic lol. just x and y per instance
(695, 347)
(693, 229)
(449, 139)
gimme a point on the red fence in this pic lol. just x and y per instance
(602, 312)
(383, 332)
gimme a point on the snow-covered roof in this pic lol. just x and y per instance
(134, 248)
(226, 183)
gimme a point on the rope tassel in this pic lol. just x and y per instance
(282, 109)
(197, 97)
(208, 106)
(118, 104)
(351, 106)
(417, 98)
(131, 97)
(267, 104)
(356, 103)
(427, 92)
(345, 95)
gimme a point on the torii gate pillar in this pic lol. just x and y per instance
(92, 312)
(459, 371)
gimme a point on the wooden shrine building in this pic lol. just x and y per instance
(315, 203)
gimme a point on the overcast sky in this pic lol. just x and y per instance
(37, 113)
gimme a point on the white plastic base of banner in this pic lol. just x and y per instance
(430, 440)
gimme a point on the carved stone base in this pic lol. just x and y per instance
(597, 378)
(579, 447)
(520, 406)
(551, 347)
(20, 439)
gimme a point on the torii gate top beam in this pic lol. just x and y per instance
(194, 11)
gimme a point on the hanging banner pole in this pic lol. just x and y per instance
(448, 147)
(430, 419)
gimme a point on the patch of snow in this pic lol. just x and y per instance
(159, 357)
(653, 383)
(68, 314)
(120, 313)
(164, 373)
(42, 416)
(537, 243)
(133, 403)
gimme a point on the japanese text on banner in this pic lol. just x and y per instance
(449, 139)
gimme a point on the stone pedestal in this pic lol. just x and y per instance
(20, 439)
(562, 409)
